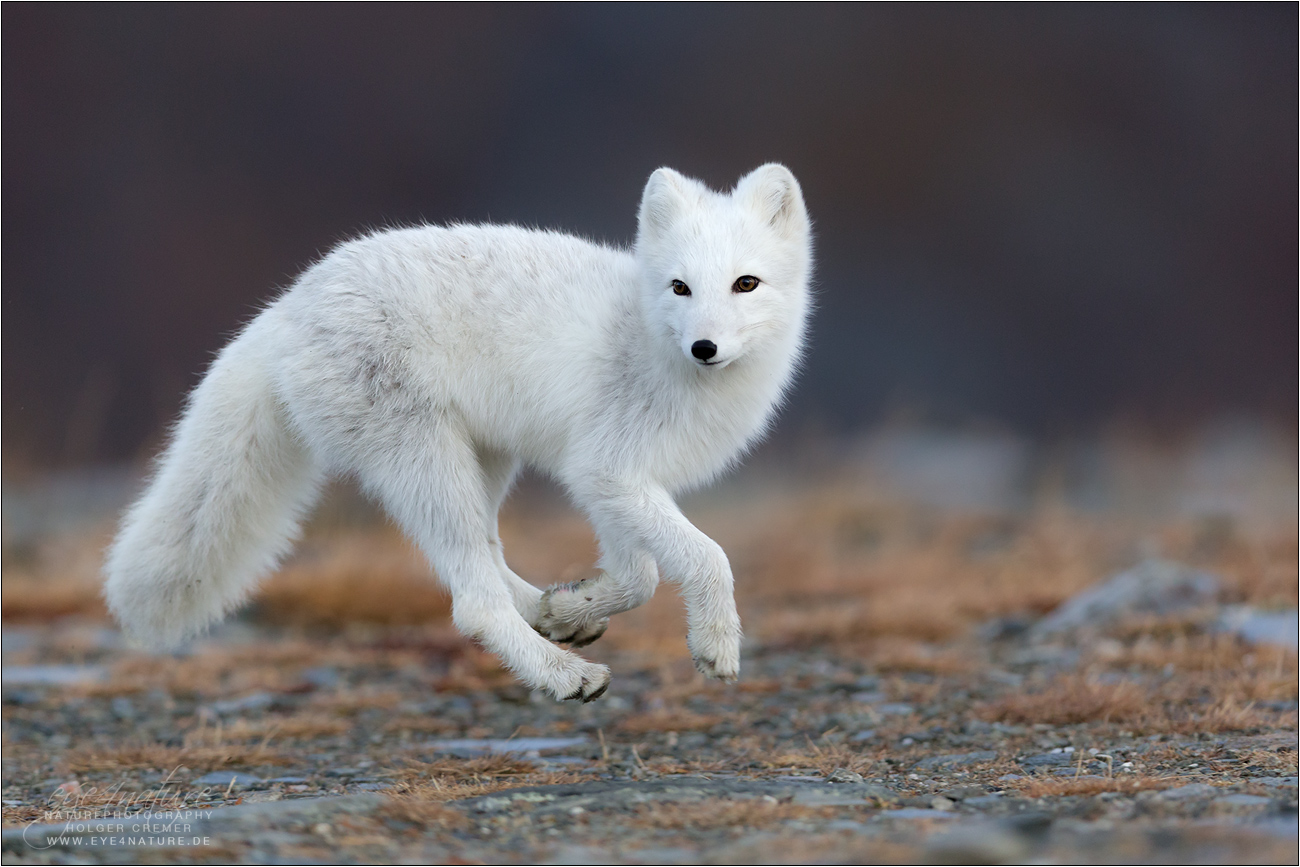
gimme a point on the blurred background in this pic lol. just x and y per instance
(1043, 220)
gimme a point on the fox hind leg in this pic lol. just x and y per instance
(499, 471)
(435, 488)
(627, 579)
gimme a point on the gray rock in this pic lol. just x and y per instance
(956, 760)
(1151, 587)
(976, 844)
(894, 708)
(915, 813)
(871, 696)
(1262, 627)
(52, 675)
(1002, 628)
(621, 794)
(1047, 760)
(1276, 782)
(963, 793)
(1195, 790)
(469, 747)
(844, 775)
(224, 779)
(16, 638)
(254, 702)
(1046, 655)
(23, 697)
(984, 802)
(322, 677)
(1242, 803)
(224, 822)
(343, 772)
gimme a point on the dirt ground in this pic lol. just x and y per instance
(904, 696)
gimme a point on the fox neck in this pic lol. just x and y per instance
(713, 414)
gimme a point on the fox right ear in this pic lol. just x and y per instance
(664, 199)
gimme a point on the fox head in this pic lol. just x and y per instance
(725, 275)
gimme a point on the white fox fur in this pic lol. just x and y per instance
(431, 363)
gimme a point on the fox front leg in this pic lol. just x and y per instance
(645, 520)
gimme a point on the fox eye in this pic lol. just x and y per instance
(680, 288)
(745, 284)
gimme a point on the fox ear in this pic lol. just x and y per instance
(664, 199)
(773, 193)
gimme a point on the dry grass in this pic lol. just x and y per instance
(453, 787)
(165, 758)
(31, 598)
(448, 779)
(427, 725)
(826, 757)
(1072, 699)
(678, 719)
(1040, 787)
(735, 816)
(356, 700)
(917, 580)
(354, 577)
(829, 565)
(1198, 665)
(421, 814)
(1166, 708)
(59, 578)
(271, 729)
(475, 769)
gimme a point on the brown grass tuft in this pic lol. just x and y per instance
(165, 758)
(27, 598)
(1040, 787)
(422, 814)
(442, 788)
(57, 578)
(356, 577)
(475, 769)
(1072, 699)
(269, 730)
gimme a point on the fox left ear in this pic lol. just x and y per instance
(772, 192)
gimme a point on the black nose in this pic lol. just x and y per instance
(704, 349)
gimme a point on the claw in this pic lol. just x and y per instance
(709, 668)
(593, 632)
(597, 694)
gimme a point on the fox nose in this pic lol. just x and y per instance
(704, 349)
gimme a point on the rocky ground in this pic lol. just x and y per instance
(919, 685)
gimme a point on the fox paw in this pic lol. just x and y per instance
(716, 652)
(591, 679)
(559, 617)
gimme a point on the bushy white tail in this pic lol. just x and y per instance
(223, 506)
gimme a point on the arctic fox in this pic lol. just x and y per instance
(431, 363)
